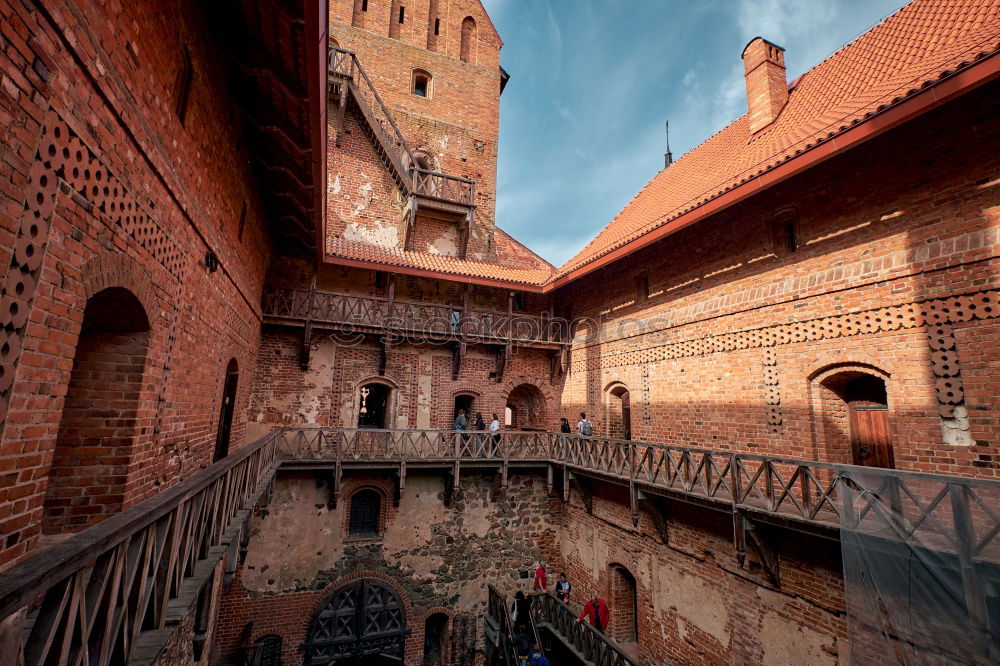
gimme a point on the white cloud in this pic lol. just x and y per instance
(689, 78)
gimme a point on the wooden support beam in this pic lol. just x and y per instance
(333, 488)
(307, 329)
(549, 478)
(585, 486)
(565, 484)
(633, 495)
(458, 353)
(747, 535)
(341, 109)
(449, 487)
(657, 509)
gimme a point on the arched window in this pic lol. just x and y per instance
(435, 629)
(373, 405)
(365, 512)
(267, 651)
(467, 50)
(421, 83)
(785, 231)
(99, 422)
(624, 600)
(619, 412)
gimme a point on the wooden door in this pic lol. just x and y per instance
(871, 443)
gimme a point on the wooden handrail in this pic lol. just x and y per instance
(111, 583)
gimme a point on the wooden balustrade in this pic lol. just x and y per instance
(588, 642)
(110, 594)
(898, 504)
(414, 319)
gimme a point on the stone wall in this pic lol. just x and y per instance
(437, 558)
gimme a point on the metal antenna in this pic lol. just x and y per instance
(668, 157)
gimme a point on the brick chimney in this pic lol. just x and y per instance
(767, 86)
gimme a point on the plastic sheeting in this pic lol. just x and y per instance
(921, 560)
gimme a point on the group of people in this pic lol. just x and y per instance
(462, 423)
(583, 426)
(595, 611)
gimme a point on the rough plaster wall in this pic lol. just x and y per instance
(425, 384)
(441, 556)
(786, 643)
(695, 600)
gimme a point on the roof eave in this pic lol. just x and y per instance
(955, 85)
(440, 275)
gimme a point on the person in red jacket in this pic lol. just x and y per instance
(541, 578)
(596, 611)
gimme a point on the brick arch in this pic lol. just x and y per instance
(350, 487)
(828, 413)
(332, 588)
(623, 602)
(543, 388)
(612, 409)
(396, 393)
(114, 269)
(428, 614)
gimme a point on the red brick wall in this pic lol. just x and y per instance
(457, 123)
(136, 201)
(732, 346)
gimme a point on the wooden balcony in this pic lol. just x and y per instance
(412, 321)
(117, 591)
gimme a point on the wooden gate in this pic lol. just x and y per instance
(360, 620)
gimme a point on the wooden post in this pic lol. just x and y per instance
(549, 478)
(975, 603)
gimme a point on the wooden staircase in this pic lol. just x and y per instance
(430, 192)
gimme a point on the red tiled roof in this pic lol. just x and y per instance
(915, 47)
(441, 264)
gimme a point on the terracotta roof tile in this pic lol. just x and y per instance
(916, 46)
(359, 251)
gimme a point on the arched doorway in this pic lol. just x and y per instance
(98, 424)
(624, 605)
(226, 413)
(468, 403)
(435, 630)
(373, 406)
(362, 623)
(857, 410)
(527, 407)
(619, 412)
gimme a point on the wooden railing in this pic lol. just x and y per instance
(589, 643)
(109, 594)
(498, 630)
(414, 318)
(422, 182)
(902, 505)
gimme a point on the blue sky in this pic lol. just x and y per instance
(592, 81)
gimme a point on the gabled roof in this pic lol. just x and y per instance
(922, 43)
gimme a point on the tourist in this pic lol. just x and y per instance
(563, 588)
(521, 608)
(541, 578)
(461, 421)
(564, 425)
(480, 427)
(522, 644)
(596, 612)
(583, 426)
(495, 429)
(537, 658)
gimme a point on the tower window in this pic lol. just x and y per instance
(421, 85)
(437, 26)
(364, 5)
(784, 231)
(402, 14)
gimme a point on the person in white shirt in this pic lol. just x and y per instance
(495, 429)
